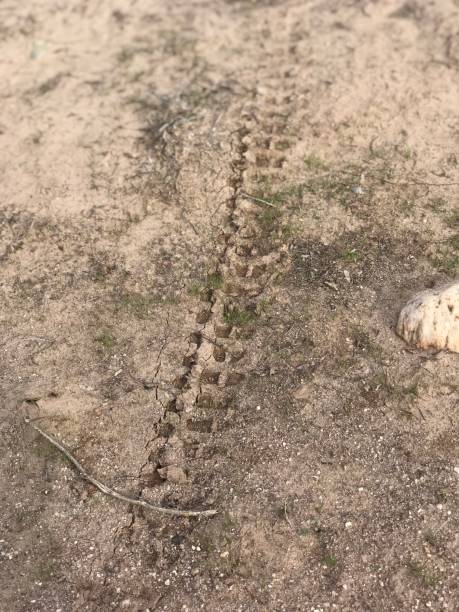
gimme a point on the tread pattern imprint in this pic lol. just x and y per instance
(250, 252)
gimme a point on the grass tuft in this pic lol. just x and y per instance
(106, 339)
(238, 317)
(314, 163)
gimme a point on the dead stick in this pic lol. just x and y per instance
(257, 200)
(111, 492)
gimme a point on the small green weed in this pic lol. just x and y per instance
(269, 217)
(452, 221)
(330, 560)
(419, 571)
(125, 55)
(406, 152)
(333, 187)
(314, 163)
(195, 290)
(303, 531)
(283, 145)
(437, 204)
(352, 256)
(379, 151)
(406, 205)
(447, 263)
(106, 339)
(278, 197)
(431, 538)
(263, 306)
(454, 242)
(137, 304)
(288, 231)
(362, 341)
(452, 264)
(237, 317)
(214, 281)
(412, 390)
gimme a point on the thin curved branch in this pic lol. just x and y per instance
(109, 491)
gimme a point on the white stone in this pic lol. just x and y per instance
(431, 319)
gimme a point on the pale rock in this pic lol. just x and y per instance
(431, 319)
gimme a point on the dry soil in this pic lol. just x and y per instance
(211, 213)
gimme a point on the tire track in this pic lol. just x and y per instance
(250, 255)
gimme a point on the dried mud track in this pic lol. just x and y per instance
(250, 253)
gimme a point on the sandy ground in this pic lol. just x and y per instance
(199, 348)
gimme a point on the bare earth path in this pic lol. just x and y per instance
(210, 215)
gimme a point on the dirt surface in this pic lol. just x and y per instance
(211, 215)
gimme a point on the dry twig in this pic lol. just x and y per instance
(111, 492)
(257, 200)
